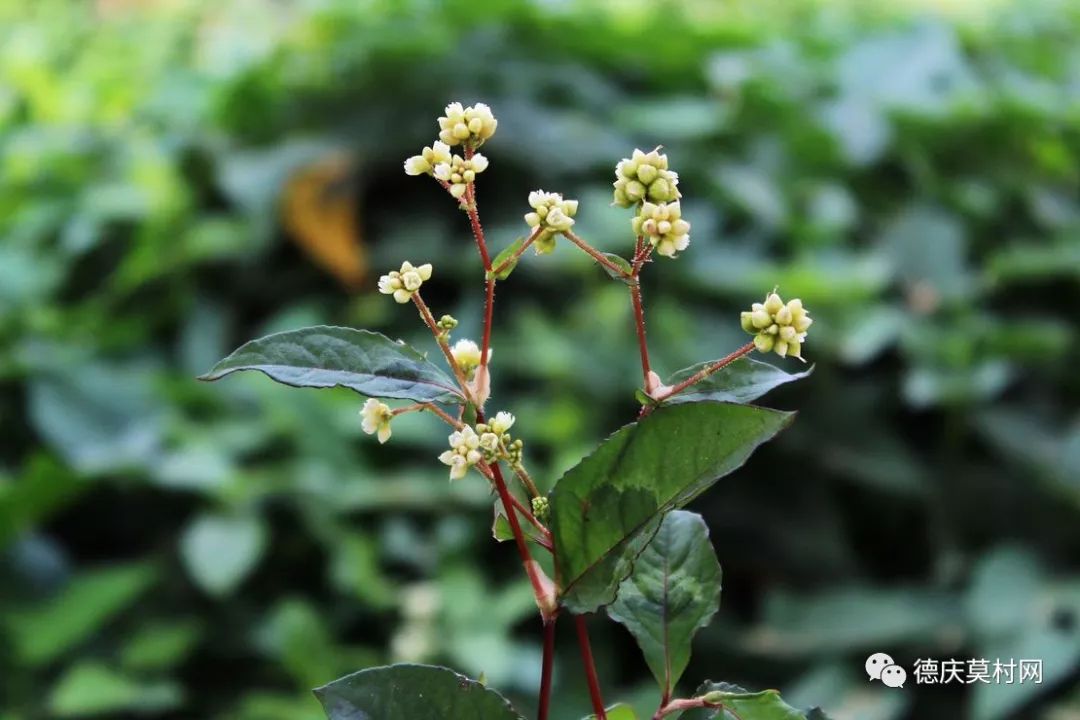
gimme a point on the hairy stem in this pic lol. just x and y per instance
(543, 588)
(545, 535)
(595, 254)
(639, 325)
(546, 668)
(590, 668)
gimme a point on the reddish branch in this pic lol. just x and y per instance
(548, 663)
(590, 668)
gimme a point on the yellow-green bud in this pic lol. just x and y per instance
(645, 176)
(776, 326)
(541, 507)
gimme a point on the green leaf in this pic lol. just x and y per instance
(619, 711)
(743, 381)
(764, 705)
(324, 356)
(412, 692)
(605, 509)
(505, 255)
(46, 632)
(673, 591)
(220, 551)
(623, 264)
(91, 689)
(500, 526)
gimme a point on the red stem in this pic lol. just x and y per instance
(639, 322)
(489, 309)
(546, 669)
(590, 668)
(716, 366)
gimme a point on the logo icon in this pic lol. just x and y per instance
(881, 666)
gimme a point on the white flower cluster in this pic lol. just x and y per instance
(487, 441)
(459, 172)
(553, 214)
(776, 326)
(645, 176)
(464, 452)
(662, 225)
(376, 417)
(404, 282)
(470, 125)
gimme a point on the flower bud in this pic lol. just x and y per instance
(661, 224)
(404, 282)
(551, 214)
(645, 176)
(776, 326)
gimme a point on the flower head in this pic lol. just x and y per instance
(645, 176)
(662, 225)
(459, 172)
(464, 452)
(776, 326)
(404, 282)
(469, 125)
(376, 419)
(552, 215)
(429, 157)
(467, 355)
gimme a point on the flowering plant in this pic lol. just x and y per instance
(612, 528)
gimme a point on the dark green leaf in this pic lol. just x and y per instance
(411, 692)
(506, 254)
(325, 356)
(623, 265)
(743, 381)
(605, 509)
(673, 591)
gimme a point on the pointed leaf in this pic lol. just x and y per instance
(411, 692)
(743, 381)
(500, 526)
(325, 356)
(623, 265)
(605, 509)
(764, 705)
(506, 254)
(673, 591)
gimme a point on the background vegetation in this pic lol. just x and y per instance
(176, 177)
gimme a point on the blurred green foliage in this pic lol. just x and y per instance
(174, 550)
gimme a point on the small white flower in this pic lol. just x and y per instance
(376, 417)
(551, 214)
(502, 422)
(417, 165)
(467, 355)
(404, 282)
(473, 124)
(464, 452)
